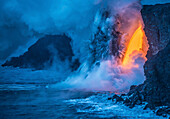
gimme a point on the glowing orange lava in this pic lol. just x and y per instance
(136, 43)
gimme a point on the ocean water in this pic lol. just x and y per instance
(27, 94)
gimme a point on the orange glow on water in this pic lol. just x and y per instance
(135, 44)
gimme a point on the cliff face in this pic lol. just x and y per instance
(157, 26)
(157, 85)
(155, 90)
(44, 51)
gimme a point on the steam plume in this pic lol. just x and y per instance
(110, 75)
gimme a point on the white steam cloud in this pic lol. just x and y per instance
(110, 75)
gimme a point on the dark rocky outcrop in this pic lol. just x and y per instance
(117, 98)
(42, 53)
(163, 111)
(157, 24)
(155, 90)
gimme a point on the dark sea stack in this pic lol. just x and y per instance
(157, 26)
(44, 51)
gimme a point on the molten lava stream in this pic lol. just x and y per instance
(135, 44)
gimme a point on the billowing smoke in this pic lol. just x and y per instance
(108, 73)
(109, 76)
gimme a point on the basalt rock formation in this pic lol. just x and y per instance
(42, 53)
(157, 85)
(157, 24)
(155, 90)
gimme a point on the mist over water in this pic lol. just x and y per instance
(108, 76)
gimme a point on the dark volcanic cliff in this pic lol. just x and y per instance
(44, 51)
(156, 88)
(157, 26)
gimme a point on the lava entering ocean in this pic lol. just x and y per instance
(115, 73)
(111, 75)
(137, 44)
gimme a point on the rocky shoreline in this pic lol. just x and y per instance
(137, 99)
(154, 92)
